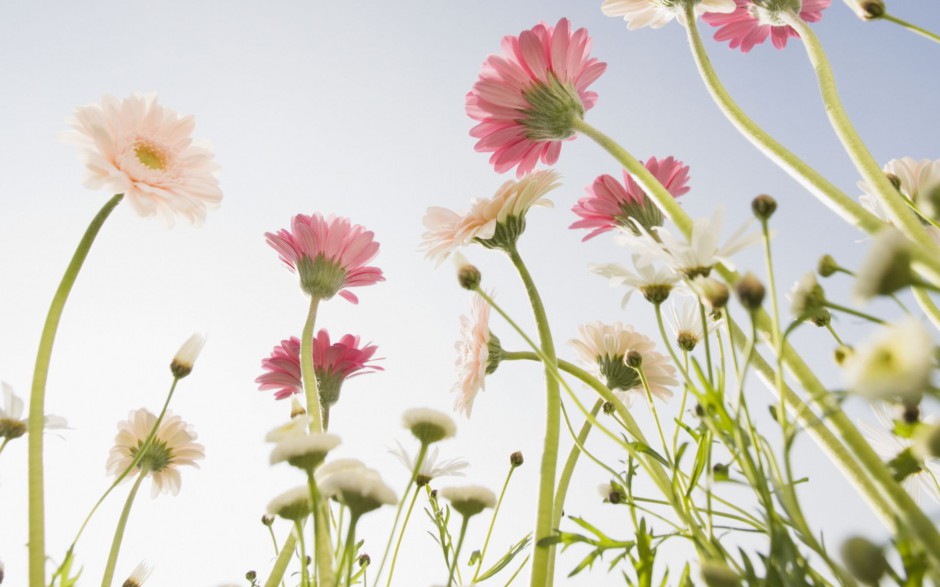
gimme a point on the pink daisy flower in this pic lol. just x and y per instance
(526, 98)
(750, 24)
(330, 254)
(610, 204)
(333, 363)
(478, 353)
(140, 149)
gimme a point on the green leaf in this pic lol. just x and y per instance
(506, 559)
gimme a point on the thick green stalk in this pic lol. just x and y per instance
(119, 532)
(37, 538)
(283, 559)
(847, 208)
(898, 210)
(568, 470)
(542, 570)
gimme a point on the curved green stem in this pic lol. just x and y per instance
(568, 470)
(853, 312)
(928, 306)
(463, 532)
(542, 570)
(837, 201)
(37, 537)
(414, 475)
(283, 559)
(348, 553)
(119, 531)
(911, 27)
(866, 165)
(489, 532)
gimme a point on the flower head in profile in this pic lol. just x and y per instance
(917, 181)
(360, 489)
(894, 364)
(752, 22)
(139, 575)
(495, 222)
(333, 363)
(145, 151)
(329, 254)
(469, 500)
(430, 467)
(478, 354)
(527, 98)
(686, 323)
(886, 267)
(303, 449)
(658, 13)
(173, 446)
(603, 349)
(610, 204)
(428, 426)
(654, 283)
(12, 423)
(695, 256)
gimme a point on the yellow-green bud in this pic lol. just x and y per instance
(515, 459)
(717, 574)
(827, 266)
(763, 207)
(469, 277)
(750, 292)
(864, 559)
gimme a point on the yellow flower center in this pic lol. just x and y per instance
(151, 156)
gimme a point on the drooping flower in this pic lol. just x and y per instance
(478, 354)
(12, 423)
(333, 363)
(145, 151)
(658, 13)
(173, 446)
(527, 98)
(603, 349)
(922, 482)
(751, 22)
(696, 256)
(329, 254)
(429, 426)
(610, 203)
(360, 489)
(495, 222)
(654, 283)
(469, 500)
(303, 449)
(293, 504)
(430, 467)
(894, 364)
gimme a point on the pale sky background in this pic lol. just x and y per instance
(356, 109)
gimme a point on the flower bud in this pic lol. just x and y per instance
(182, 364)
(717, 574)
(251, 575)
(608, 408)
(750, 292)
(895, 180)
(713, 292)
(515, 459)
(469, 277)
(807, 297)
(364, 560)
(870, 9)
(296, 408)
(864, 559)
(267, 520)
(763, 207)
(827, 266)
(633, 359)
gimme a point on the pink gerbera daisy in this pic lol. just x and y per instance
(610, 204)
(330, 254)
(140, 149)
(751, 24)
(333, 363)
(527, 97)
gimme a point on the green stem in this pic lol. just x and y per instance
(4, 445)
(401, 534)
(659, 426)
(453, 566)
(119, 531)
(311, 390)
(911, 27)
(489, 532)
(304, 571)
(853, 312)
(422, 452)
(283, 559)
(37, 538)
(568, 470)
(871, 172)
(542, 570)
(348, 550)
(928, 306)
(837, 201)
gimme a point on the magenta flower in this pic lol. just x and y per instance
(610, 204)
(750, 24)
(330, 254)
(527, 98)
(332, 363)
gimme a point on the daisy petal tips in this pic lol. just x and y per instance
(527, 97)
(145, 151)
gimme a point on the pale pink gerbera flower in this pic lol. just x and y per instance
(140, 149)
(330, 254)
(333, 363)
(477, 354)
(172, 446)
(495, 222)
(527, 98)
(610, 203)
(658, 13)
(750, 24)
(603, 349)
(918, 181)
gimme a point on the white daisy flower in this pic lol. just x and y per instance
(654, 283)
(430, 467)
(895, 363)
(13, 424)
(429, 425)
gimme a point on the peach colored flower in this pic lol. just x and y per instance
(526, 97)
(473, 355)
(658, 13)
(145, 151)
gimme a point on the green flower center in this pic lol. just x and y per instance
(151, 156)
